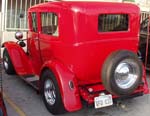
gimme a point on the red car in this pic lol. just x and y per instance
(79, 50)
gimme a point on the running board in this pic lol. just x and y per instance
(32, 80)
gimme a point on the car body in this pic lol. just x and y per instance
(79, 50)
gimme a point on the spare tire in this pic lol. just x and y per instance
(122, 72)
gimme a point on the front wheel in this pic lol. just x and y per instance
(7, 63)
(51, 94)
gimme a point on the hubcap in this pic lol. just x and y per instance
(49, 92)
(126, 74)
(6, 63)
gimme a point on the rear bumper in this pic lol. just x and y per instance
(88, 95)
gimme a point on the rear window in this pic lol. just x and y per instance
(113, 22)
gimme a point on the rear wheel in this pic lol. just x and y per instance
(51, 94)
(122, 73)
(7, 63)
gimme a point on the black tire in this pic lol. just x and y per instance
(9, 69)
(57, 107)
(109, 74)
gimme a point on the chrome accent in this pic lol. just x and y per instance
(90, 90)
(50, 92)
(6, 63)
(71, 85)
(18, 35)
(126, 73)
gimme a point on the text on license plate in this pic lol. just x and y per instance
(103, 101)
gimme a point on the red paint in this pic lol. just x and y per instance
(21, 61)
(79, 51)
(63, 75)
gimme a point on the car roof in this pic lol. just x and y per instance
(90, 6)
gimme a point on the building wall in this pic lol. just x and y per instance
(0, 5)
(0, 29)
(0, 26)
(144, 4)
(0, 21)
(12, 12)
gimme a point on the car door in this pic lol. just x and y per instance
(33, 42)
(49, 36)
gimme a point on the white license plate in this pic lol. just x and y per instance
(103, 101)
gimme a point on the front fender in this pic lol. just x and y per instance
(19, 59)
(70, 97)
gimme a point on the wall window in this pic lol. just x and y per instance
(113, 22)
(13, 9)
(34, 22)
(49, 22)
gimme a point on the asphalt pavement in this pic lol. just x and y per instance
(22, 100)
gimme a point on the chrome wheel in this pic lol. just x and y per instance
(49, 92)
(126, 74)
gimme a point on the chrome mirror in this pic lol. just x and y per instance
(18, 35)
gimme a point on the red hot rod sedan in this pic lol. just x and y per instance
(79, 50)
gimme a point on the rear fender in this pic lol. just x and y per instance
(70, 97)
(19, 59)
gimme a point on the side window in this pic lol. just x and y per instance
(49, 24)
(34, 22)
(113, 22)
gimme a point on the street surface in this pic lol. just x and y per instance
(22, 100)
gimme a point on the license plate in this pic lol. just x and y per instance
(103, 101)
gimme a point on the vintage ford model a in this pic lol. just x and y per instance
(79, 50)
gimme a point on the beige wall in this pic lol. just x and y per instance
(0, 21)
(0, 5)
(143, 4)
(10, 36)
(0, 29)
